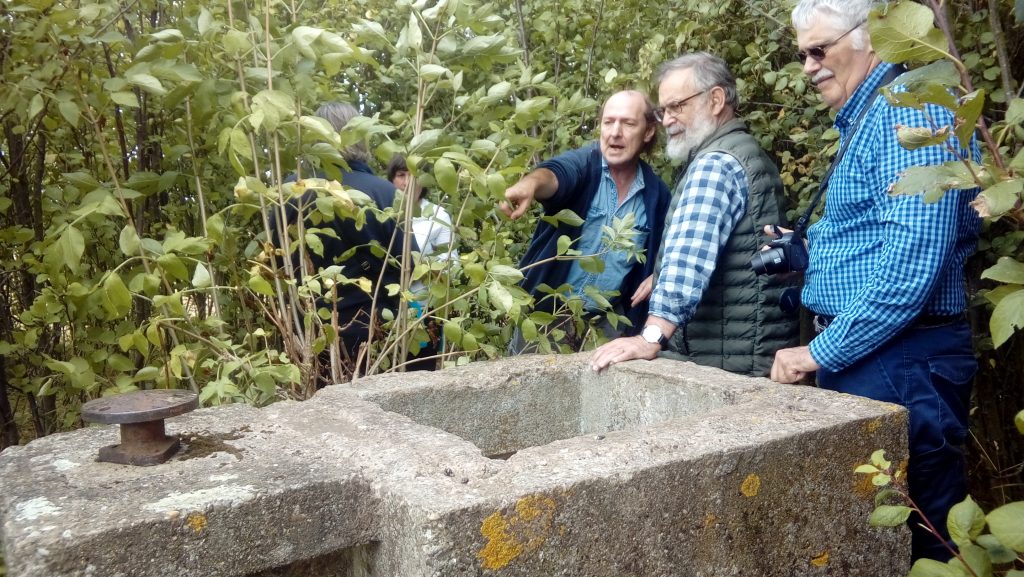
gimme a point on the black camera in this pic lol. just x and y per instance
(784, 254)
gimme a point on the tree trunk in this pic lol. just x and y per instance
(8, 427)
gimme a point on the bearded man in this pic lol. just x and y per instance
(708, 306)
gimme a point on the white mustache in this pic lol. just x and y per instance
(823, 74)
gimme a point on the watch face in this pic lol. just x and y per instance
(652, 334)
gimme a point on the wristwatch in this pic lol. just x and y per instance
(653, 335)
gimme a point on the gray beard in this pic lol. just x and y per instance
(678, 148)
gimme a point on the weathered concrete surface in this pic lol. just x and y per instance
(650, 469)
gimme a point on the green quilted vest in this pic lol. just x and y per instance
(738, 325)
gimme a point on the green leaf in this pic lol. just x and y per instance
(1019, 421)
(529, 330)
(999, 198)
(1006, 270)
(431, 72)
(260, 285)
(905, 31)
(215, 228)
(240, 143)
(932, 181)
(82, 181)
(506, 274)
(965, 522)
(270, 108)
(125, 98)
(913, 137)
(977, 560)
(866, 469)
(997, 552)
(147, 82)
(322, 128)
(446, 176)
(496, 185)
(967, 115)
(146, 374)
(475, 272)
(499, 297)
(236, 43)
(564, 242)
(304, 37)
(69, 110)
(173, 266)
(1007, 524)
(72, 247)
(410, 39)
(933, 568)
(424, 141)
(942, 73)
(35, 106)
(116, 297)
(564, 216)
(314, 243)
(1015, 111)
(889, 515)
(499, 90)
(1007, 317)
(129, 241)
(201, 277)
(452, 331)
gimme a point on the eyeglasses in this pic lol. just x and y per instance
(675, 107)
(820, 51)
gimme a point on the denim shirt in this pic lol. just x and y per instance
(603, 210)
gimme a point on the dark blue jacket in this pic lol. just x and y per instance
(352, 249)
(579, 177)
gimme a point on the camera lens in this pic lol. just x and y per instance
(769, 261)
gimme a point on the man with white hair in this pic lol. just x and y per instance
(708, 305)
(885, 278)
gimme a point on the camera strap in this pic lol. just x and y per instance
(801, 225)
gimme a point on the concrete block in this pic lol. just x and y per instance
(529, 466)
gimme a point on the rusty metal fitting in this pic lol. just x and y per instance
(140, 415)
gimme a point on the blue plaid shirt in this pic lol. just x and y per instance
(877, 261)
(712, 200)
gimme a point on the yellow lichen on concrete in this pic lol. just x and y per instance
(871, 426)
(709, 520)
(820, 560)
(197, 521)
(501, 546)
(751, 485)
(521, 531)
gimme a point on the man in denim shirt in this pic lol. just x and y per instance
(886, 274)
(599, 183)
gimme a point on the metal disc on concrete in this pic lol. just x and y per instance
(139, 406)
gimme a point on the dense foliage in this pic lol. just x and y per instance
(145, 147)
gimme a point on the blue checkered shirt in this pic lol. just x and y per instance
(709, 202)
(877, 261)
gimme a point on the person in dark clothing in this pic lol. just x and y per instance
(351, 247)
(599, 182)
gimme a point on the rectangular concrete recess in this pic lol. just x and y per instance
(649, 469)
(549, 406)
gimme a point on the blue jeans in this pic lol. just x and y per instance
(929, 371)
